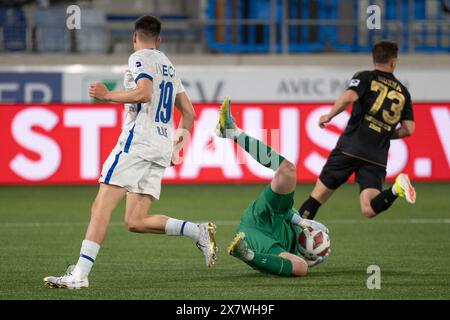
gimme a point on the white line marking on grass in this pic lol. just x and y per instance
(358, 221)
(389, 221)
(228, 223)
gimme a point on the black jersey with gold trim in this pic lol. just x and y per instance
(383, 102)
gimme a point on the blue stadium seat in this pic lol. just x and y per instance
(256, 38)
(51, 33)
(430, 37)
(308, 38)
(241, 38)
(330, 36)
(93, 36)
(14, 29)
(2, 18)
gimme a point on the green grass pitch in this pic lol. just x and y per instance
(41, 229)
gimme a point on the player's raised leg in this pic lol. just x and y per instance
(281, 190)
(138, 220)
(104, 204)
(285, 178)
(261, 152)
(373, 202)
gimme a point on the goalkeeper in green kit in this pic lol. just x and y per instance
(267, 238)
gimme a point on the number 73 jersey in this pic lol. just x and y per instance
(148, 127)
(383, 102)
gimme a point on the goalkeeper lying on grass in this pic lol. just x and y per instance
(267, 238)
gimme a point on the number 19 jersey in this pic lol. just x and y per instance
(147, 130)
(383, 102)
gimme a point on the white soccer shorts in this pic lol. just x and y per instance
(132, 172)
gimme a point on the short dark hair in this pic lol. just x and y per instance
(383, 51)
(148, 26)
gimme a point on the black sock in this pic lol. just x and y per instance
(383, 201)
(309, 208)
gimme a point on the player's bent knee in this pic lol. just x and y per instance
(368, 212)
(133, 225)
(288, 168)
(132, 228)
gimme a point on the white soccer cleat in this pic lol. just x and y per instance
(67, 281)
(207, 242)
(404, 188)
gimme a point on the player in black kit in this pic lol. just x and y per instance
(380, 102)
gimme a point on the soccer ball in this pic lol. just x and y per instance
(313, 243)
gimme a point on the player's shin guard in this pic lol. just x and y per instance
(260, 151)
(272, 264)
(88, 254)
(175, 227)
(309, 208)
(383, 201)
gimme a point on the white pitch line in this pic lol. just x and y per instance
(227, 223)
(393, 221)
(357, 221)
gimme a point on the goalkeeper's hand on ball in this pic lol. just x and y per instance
(319, 260)
(306, 224)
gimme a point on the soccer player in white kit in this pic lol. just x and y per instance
(145, 148)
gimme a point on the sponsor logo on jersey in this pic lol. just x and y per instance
(138, 66)
(354, 82)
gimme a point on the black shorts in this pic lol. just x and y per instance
(339, 168)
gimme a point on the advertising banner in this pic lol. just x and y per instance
(67, 144)
(206, 84)
(263, 84)
(38, 87)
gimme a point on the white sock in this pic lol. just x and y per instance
(175, 227)
(88, 254)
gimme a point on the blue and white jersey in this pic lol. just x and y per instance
(148, 126)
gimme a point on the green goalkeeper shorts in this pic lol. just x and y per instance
(266, 223)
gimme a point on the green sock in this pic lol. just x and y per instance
(272, 264)
(260, 151)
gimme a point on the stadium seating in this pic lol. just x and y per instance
(180, 35)
(14, 25)
(323, 25)
(93, 36)
(50, 26)
(232, 26)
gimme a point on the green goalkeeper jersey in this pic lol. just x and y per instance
(267, 223)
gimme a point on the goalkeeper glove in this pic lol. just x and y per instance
(306, 224)
(319, 260)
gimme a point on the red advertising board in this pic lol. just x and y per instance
(67, 144)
